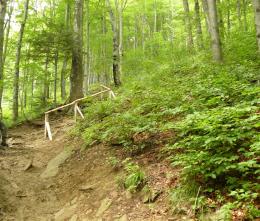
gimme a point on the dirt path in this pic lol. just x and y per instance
(63, 182)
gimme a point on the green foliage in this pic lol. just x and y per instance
(135, 177)
(224, 140)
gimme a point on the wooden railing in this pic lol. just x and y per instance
(47, 127)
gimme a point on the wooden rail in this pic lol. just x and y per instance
(77, 110)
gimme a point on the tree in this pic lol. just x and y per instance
(116, 55)
(256, 4)
(214, 31)
(188, 24)
(17, 62)
(76, 78)
(198, 24)
(2, 22)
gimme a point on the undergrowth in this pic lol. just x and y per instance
(211, 112)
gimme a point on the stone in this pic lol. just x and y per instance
(28, 165)
(66, 213)
(151, 196)
(53, 165)
(122, 218)
(105, 204)
(87, 188)
(74, 218)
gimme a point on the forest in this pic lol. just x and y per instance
(175, 138)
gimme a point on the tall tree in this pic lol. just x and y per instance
(66, 55)
(2, 23)
(198, 24)
(116, 55)
(87, 56)
(17, 62)
(256, 4)
(188, 23)
(76, 78)
(214, 31)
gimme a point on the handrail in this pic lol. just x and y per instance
(47, 129)
(78, 100)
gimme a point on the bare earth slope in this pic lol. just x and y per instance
(54, 180)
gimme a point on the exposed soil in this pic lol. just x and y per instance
(84, 187)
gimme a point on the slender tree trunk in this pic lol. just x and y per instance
(239, 13)
(17, 63)
(143, 29)
(66, 55)
(206, 13)
(2, 18)
(188, 24)
(171, 16)
(120, 48)
(256, 4)
(55, 76)
(104, 47)
(116, 56)
(7, 32)
(87, 57)
(63, 78)
(214, 31)
(228, 17)
(155, 17)
(198, 24)
(46, 94)
(220, 19)
(244, 2)
(76, 78)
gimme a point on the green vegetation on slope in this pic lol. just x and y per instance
(210, 113)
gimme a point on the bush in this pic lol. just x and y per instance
(221, 146)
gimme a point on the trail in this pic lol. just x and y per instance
(53, 180)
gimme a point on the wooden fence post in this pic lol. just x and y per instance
(75, 111)
(47, 127)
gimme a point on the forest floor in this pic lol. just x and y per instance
(54, 180)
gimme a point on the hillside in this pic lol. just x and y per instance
(151, 108)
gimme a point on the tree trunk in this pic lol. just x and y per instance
(63, 78)
(245, 14)
(198, 24)
(17, 63)
(220, 19)
(206, 13)
(76, 78)
(87, 58)
(2, 18)
(7, 32)
(120, 48)
(188, 24)
(66, 55)
(214, 31)
(239, 13)
(46, 90)
(256, 4)
(228, 17)
(116, 56)
(55, 76)
(155, 17)
(104, 47)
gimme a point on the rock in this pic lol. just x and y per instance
(53, 165)
(105, 204)
(74, 218)
(122, 218)
(66, 213)
(151, 196)
(128, 195)
(87, 188)
(28, 165)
